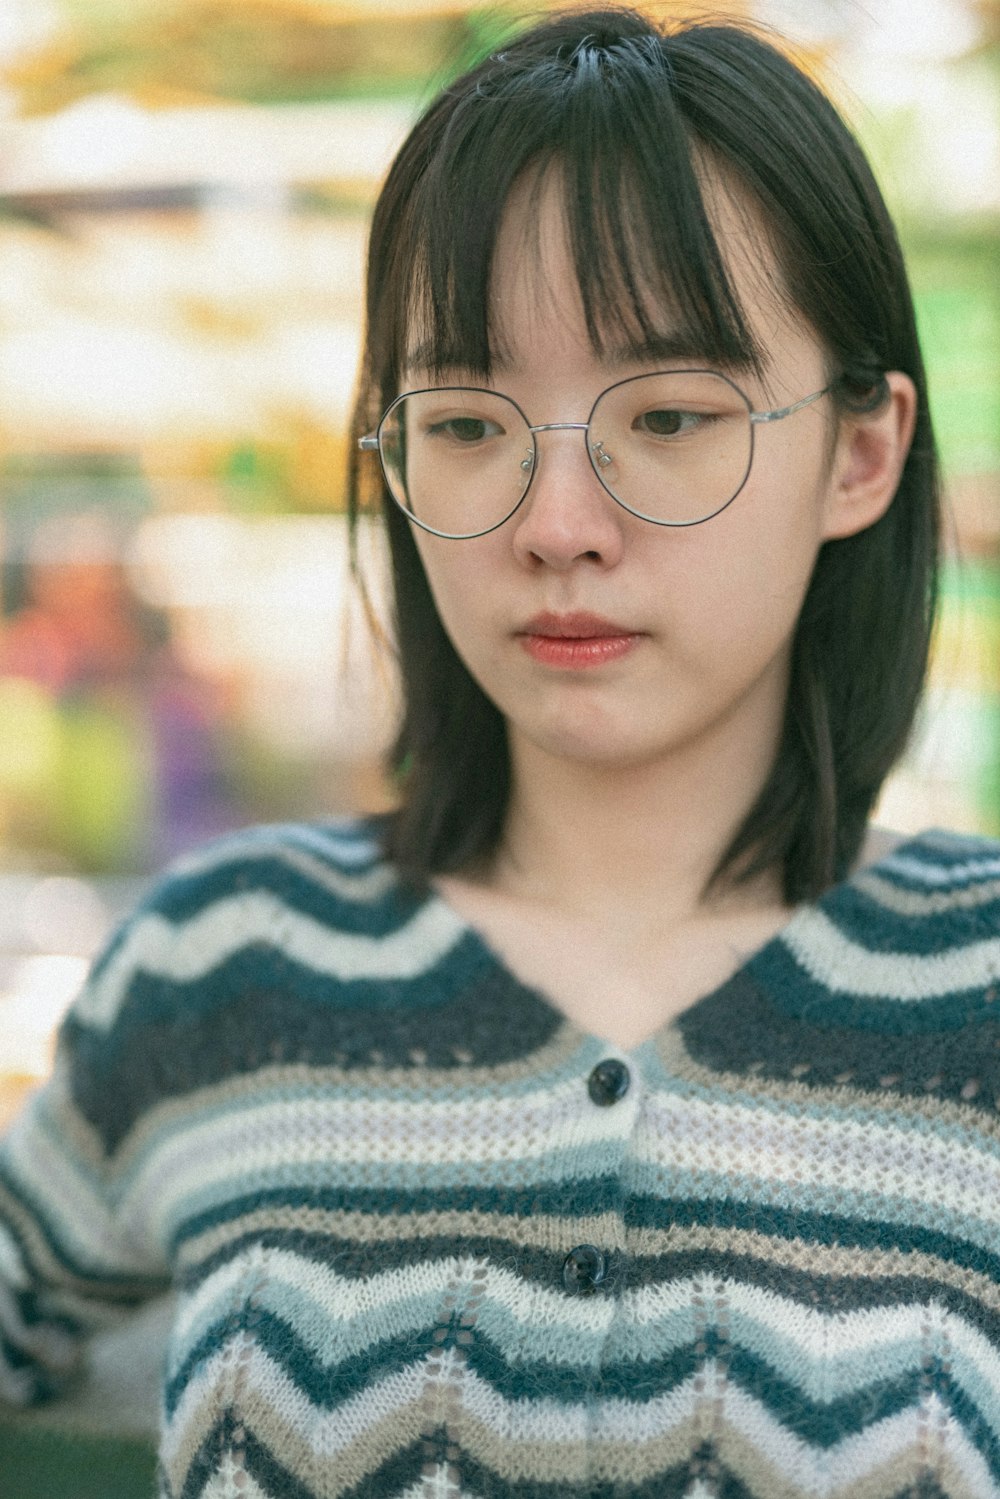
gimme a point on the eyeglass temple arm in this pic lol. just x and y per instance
(368, 444)
(776, 416)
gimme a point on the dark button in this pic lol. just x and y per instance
(584, 1268)
(608, 1082)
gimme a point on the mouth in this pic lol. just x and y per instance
(576, 640)
(577, 626)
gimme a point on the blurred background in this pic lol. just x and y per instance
(184, 189)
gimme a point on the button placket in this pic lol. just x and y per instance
(586, 1268)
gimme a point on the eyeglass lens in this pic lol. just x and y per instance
(674, 448)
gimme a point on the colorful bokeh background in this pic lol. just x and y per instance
(184, 190)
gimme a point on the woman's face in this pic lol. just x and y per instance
(602, 638)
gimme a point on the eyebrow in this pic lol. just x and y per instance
(665, 347)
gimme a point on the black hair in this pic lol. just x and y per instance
(631, 112)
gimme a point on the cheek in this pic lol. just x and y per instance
(743, 576)
(459, 586)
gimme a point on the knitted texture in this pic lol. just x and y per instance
(426, 1246)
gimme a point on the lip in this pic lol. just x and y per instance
(576, 641)
(577, 626)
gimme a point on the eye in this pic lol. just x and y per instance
(465, 429)
(668, 422)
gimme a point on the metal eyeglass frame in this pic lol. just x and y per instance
(371, 443)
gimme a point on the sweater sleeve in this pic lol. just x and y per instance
(196, 990)
(70, 1259)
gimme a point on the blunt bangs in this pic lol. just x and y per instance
(647, 263)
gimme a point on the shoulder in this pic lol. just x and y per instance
(272, 906)
(945, 885)
(934, 896)
(910, 940)
(291, 857)
(270, 948)
(890, 982)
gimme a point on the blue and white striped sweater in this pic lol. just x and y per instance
(419, 1251)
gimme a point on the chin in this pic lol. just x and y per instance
(583, 745)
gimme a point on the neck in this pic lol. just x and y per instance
(615, 841)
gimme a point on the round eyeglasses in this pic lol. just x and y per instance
(672, 448)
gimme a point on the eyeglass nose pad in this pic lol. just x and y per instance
(528, 461)
(603, 458)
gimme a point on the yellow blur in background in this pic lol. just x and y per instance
(184, 191)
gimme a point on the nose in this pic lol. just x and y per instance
(567, 515)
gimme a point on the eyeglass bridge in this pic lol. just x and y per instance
(597, 449)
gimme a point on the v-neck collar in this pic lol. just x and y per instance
(503, 974)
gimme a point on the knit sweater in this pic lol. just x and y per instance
(430, 1238)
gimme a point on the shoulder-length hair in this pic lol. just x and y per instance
(628, 111)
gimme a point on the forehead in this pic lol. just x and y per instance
(536, 287)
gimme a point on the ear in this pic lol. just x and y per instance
(868, 460)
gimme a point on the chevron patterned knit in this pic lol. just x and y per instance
(430, 1239)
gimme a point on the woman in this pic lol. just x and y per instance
(616, 1118)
